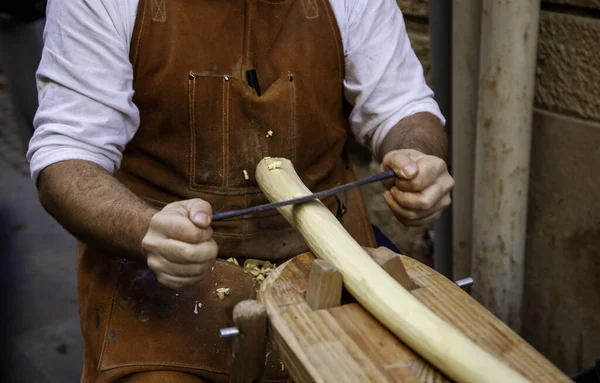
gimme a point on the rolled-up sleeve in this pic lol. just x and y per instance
(84, 85)
(384, 79)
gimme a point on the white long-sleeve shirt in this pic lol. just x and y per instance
(85, 78)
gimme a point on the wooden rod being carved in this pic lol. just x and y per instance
(434, 339)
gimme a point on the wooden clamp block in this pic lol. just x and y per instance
(249, 348)
(324, 289)
(392, 264)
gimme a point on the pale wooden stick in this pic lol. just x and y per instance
(437, 341)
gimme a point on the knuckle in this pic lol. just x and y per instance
(451, 183)
(147, 242)
(155, 220)
(417, 184)
(150, 242)
(153, 262)
(442, 166)
(189, 253)
(212, 249)
(447, 201)
(190, 233)
(426, 203)
(203, 235)
(163, 280)
(411, 215)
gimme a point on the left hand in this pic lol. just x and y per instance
(421, 191)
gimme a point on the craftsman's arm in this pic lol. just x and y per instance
(423, 132)
(95, 207)
(415, 148)
(176, 241)
(85, 119)
(394, 112)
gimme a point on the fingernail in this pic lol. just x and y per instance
(410, 170)
(201, 219)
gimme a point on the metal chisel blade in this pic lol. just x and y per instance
(295, 201)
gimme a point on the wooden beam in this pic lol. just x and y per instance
(250, 317)
(324, 289)
(444, 346)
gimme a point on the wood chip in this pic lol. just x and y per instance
(233, 260)
(274, 165)
(246, 176)
(259, 269)
(269, 133)
(222, 292)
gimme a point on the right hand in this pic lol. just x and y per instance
(179, 245)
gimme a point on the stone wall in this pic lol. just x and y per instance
(561, 312)
(561, 302)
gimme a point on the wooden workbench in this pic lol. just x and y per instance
(346, 344)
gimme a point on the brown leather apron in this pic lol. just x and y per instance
(201, 127)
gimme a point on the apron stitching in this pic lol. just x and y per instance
(311, 10)
(293, 123)
(225, 110)
(112, 305)
(161, 12)
(247, 42)
(191, 100)
(139, 36)
(163, 364)
(335, 38)
(244, 225)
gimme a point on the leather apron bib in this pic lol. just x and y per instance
(202, 127)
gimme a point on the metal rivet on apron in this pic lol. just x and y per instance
(226, 78)
(191, 76)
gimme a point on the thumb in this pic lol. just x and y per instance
(402, 163)
(200, 212)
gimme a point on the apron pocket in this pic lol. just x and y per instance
(152, 325)
(232, 129)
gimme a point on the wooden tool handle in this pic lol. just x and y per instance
(436, 340)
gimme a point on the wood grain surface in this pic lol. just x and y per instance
(378, 292)
(324, 289)
(249, 347)
(346, 344)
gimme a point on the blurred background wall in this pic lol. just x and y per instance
(561, 295)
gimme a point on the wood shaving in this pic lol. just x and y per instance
(233, 260)
(282, 365)
(222, 292)
(259, 269)
(196, 307)
(246, 176)
(269, 133)
(274, 165)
